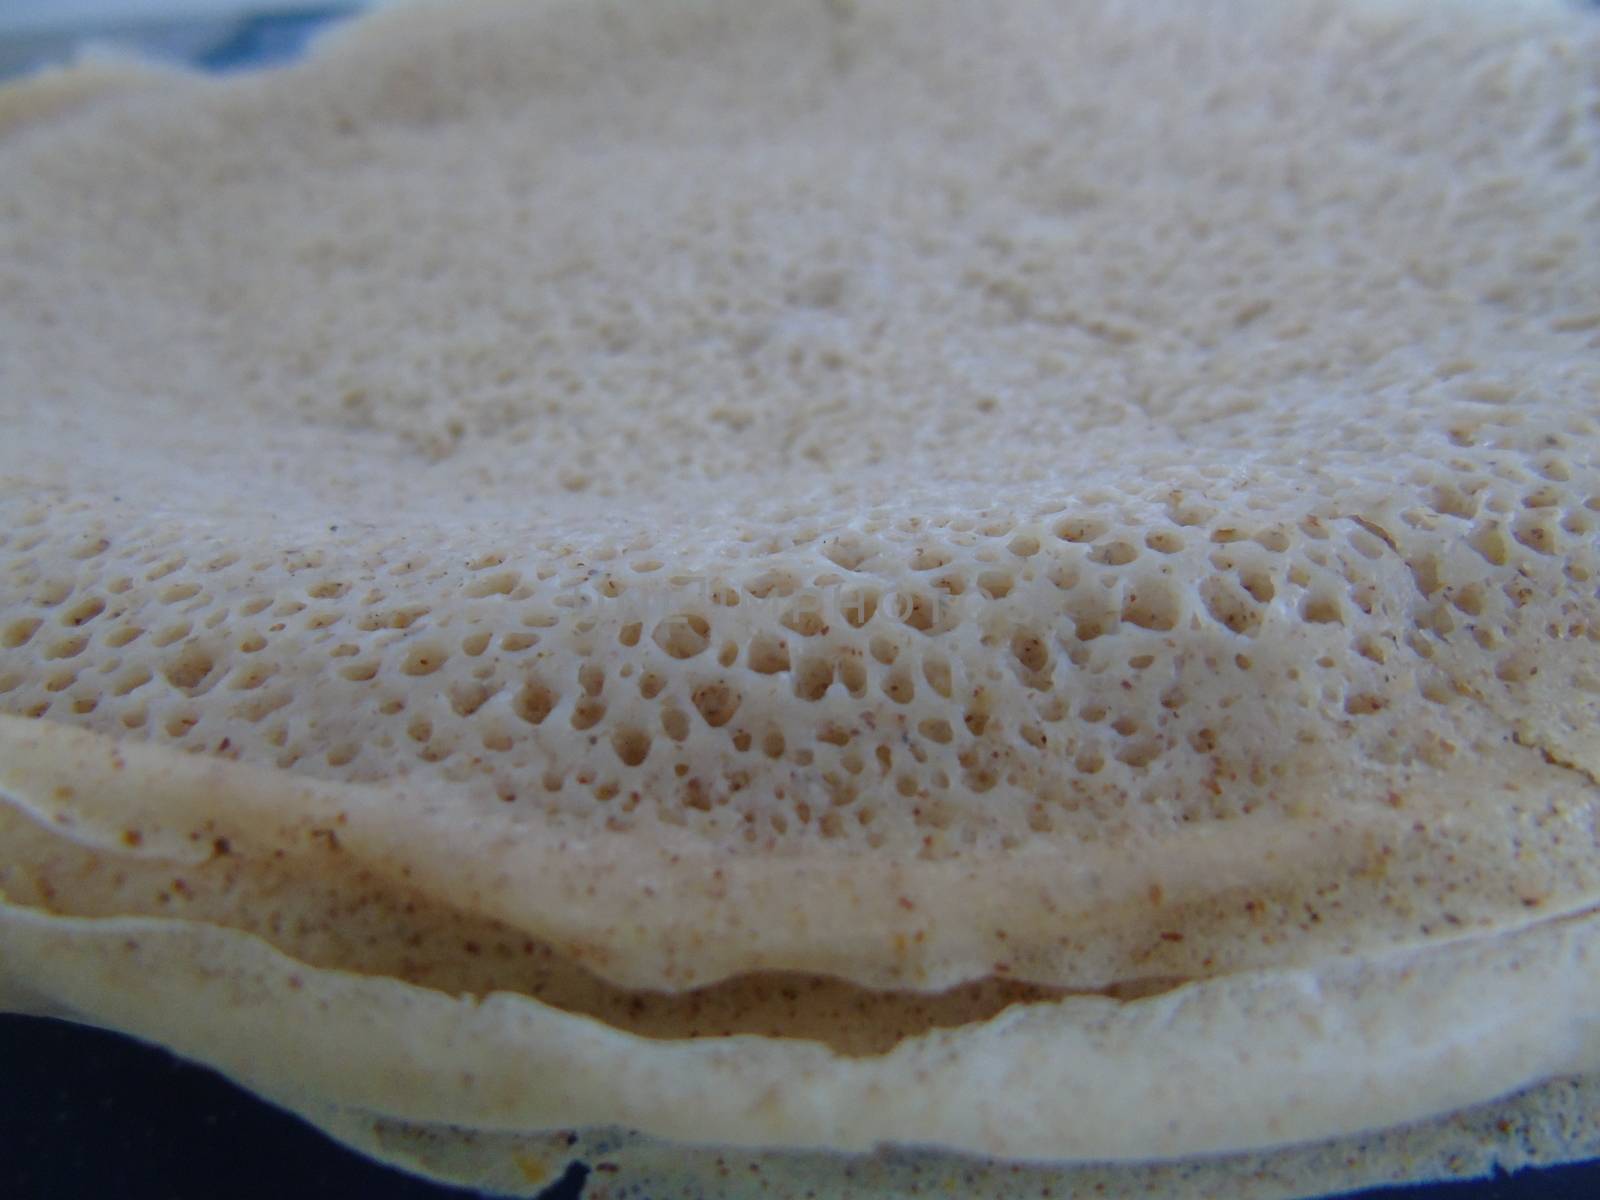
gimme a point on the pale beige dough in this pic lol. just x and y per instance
(927, 539)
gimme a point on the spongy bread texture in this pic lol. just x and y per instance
(895, 440)
(1045, 497)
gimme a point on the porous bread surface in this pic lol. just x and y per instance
(576, 563)
(946, 463)
(838, 476)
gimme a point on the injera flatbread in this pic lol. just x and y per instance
(1019, 579)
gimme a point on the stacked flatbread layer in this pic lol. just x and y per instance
(1019, 579)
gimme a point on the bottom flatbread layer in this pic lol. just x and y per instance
(1557, 1121)
(1281, 1056)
